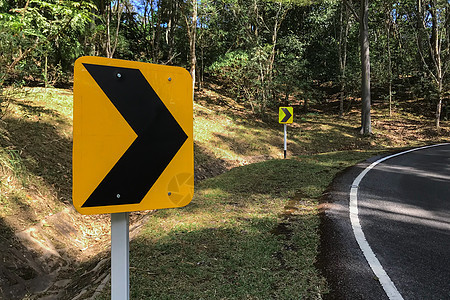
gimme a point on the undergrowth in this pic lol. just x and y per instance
(251, 228)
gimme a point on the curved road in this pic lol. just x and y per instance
(404, 212)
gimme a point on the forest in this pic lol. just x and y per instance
(364, 77)
(263, 53)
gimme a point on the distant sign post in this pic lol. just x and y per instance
(285, 116)
(132, 146)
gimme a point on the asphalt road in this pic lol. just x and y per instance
(404, 211)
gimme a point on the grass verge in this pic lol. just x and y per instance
(35, 155)
(250, 233)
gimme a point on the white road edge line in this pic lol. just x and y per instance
(377, 268)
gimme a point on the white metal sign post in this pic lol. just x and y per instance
(285, 116)
(285, 140)
(120, 241)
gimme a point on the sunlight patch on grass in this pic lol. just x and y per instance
(35, 153)
(59, 100)
(251, 232)
(220, 136)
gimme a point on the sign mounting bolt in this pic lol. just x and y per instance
(119, 75)
(118, 196)
(170, 79)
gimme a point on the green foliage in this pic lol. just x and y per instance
(41, 30)
(244, 74)
(230, 68)
(263, 51)
(232, 241)
(291, 67)
(231, 60)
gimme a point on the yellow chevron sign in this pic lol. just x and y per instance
(132, 136)
(286, 115)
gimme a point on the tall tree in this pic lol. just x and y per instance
(363, 19)
(366, 125)
(432, 11)
(344, 27)
(112, 9)
(192, 34)
(388, 28)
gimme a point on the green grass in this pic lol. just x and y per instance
(35, 155)
(251, 233)
(235, 140)
(58, 102)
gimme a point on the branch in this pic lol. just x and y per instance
(352, 9)
(188, 27)
(32, 48)
(24, 9)
(419, 48)
(116, 39)
(169, 61)
(36, 44)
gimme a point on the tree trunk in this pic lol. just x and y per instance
(202, 69)
(388, 34)
(438, 111)
(156, 30)
(192, 42)
(436, 56)
(116, 38)
(366, 127)
(108, 31)
(281, 14)
(435, 67)
(344, 23)
(111, 47)
(171, 26)
(46, 71)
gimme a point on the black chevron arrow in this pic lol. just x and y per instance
(159, 136)
(287, 115)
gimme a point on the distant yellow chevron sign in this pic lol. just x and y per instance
(286, 115)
